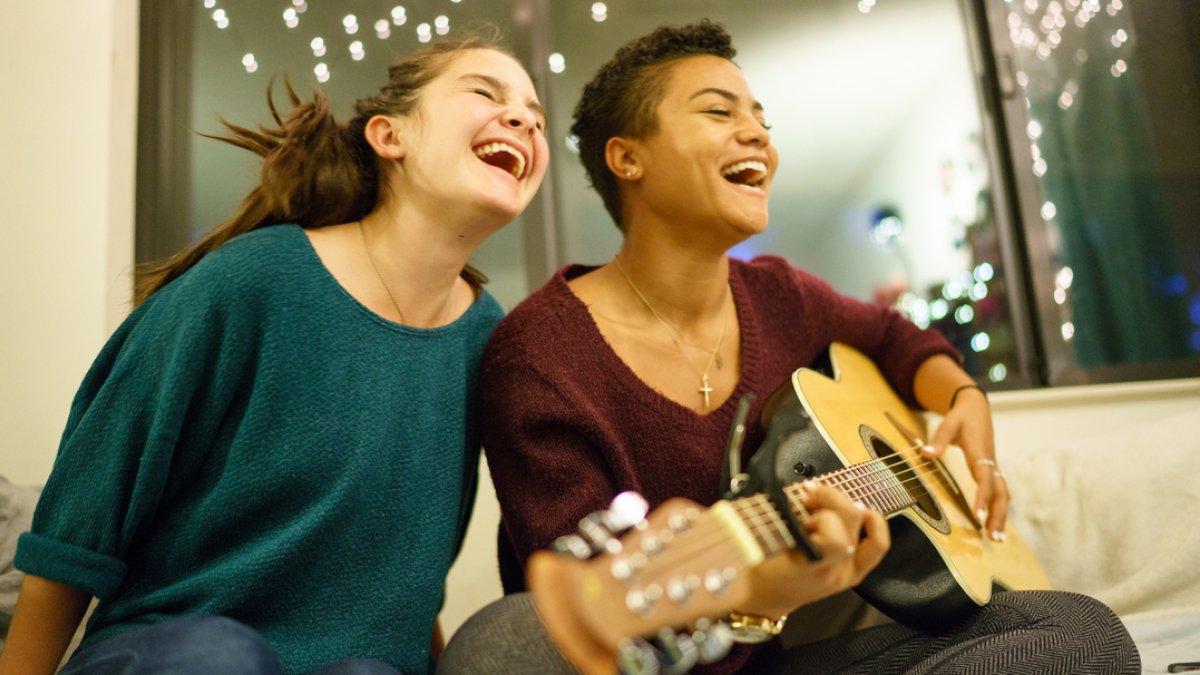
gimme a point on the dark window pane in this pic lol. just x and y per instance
(1112, 93)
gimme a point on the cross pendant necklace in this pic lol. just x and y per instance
(705, 389)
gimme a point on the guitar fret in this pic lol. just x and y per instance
(784, 536)
(867, 494)
(745, 512)
(761, 525)
(760, 516)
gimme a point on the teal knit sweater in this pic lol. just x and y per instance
(254, 443)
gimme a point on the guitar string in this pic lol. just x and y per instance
(872, 486)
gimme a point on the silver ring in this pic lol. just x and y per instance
(987, 462)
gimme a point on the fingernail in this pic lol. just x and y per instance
(927, 449)
(860, 505)
(981, 515)
(997, 536)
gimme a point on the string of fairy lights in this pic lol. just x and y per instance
(383, 27)
(1038, 30)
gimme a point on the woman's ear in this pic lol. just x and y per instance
(383, 133)
(620, 156)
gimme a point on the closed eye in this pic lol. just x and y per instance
(486, 94)
(718, 111)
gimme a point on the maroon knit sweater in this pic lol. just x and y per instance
(566, 425)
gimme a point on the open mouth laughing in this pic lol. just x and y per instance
(747, 173)
(503, 156)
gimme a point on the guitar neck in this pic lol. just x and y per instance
(872, 483)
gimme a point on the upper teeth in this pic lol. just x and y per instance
(492, 148)
(742, 166)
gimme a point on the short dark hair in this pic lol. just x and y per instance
(622, 97)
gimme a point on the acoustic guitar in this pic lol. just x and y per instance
(685, 564)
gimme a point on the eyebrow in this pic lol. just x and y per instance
(497, 84)
(725, 94)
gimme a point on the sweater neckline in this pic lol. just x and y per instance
(327, 280)
(750, 356)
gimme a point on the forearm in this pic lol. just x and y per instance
(936, 380)
(45, 619)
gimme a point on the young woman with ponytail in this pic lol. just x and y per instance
(270, 465)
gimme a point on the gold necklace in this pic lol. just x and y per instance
(705, 388)
(362, 231)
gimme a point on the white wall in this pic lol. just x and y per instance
(68, 72)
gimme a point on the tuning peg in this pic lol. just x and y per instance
(676, 652)
(712, 640)
(626, 510)
(636, 657)
(596, 532)
(573, 544)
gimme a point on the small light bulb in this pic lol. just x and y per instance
(980, 342)
(998, 372)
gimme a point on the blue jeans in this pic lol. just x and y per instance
(197, 645)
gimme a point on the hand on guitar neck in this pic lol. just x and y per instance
(851, 539)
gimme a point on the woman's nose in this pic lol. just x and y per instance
(754, 133)
(518, 118)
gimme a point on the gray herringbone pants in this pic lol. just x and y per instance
(1026, 632)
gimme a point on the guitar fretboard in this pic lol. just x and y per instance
(873, 483)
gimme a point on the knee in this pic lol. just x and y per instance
(1089, 614)
(1085, 618)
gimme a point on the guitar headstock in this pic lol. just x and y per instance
(624, 580)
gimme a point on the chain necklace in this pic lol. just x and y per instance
(705, 388)
(362, 231)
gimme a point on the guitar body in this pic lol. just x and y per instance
(941, 566)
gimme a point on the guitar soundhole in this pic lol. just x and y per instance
(910, 478)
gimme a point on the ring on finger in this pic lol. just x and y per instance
(986, 462)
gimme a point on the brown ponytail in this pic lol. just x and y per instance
(316, 171)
